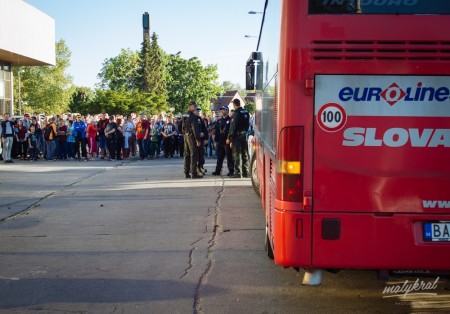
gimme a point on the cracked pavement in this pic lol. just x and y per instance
(103, 237)
(136, 237)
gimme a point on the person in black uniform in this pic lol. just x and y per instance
(223, 149)
(204, 140)
(191, 132)
(237, 136)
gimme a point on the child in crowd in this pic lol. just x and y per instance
(154, 151)
(33, 143)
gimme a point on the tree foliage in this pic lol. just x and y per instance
(148, 82)
(189, 80)
(227, 86)
(152, 67)
(46, 89)
(250, 106)
(124, 102)
(81, 100)
(120, 73)
(144, 72)
(132, 82)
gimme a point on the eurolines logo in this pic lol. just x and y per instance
(394, 93)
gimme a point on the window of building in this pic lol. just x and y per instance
(5, 88)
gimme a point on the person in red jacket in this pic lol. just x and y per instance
(142, 130)
(92, 131)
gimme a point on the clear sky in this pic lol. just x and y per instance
(211, 30)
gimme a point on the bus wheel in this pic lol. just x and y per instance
(267, 246)
(254, 175)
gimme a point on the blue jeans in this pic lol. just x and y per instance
(142, 148)
(63, 149)
(51, 149)
(71, 149)
(7, 147)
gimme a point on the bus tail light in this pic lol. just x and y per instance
(289, 167)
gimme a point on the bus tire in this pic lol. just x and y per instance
(254, 175)
(267, 246)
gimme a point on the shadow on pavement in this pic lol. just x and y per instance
(19, 293)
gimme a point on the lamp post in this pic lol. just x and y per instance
(248, 36)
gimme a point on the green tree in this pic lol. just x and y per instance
(122, 81)
(189, 80)
(46, 89)
(228, 85)
(145, 71)
(124, 102)
(121, 72)
(250, 106)
(152, 68)
(81, 100)
(157, 65)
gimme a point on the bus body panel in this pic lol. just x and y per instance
(292, 241)
(381, 195)
(379, 242)
(366, 241)
(386, 147)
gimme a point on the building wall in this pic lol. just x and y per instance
(27, 38)
(27, 35)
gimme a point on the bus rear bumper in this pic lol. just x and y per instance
(357, 241)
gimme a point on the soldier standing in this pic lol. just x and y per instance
(204, 140)
(223, 149)
(191, 133)
(238, 137)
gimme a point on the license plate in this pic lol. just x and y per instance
(436, 231)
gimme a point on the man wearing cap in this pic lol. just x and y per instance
(238, 137)
(223, 149)
(191, 132)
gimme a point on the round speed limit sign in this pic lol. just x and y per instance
(331, 117)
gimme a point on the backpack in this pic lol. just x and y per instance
(244, 120)
(47, 130)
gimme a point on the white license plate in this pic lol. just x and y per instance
(436, 231)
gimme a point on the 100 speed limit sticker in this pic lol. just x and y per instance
(331, 117)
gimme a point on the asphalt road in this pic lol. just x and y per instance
(137, 237)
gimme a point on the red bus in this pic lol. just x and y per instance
(352, 134)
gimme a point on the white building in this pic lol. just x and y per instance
(27, 38)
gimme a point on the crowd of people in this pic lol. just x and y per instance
(110, 137)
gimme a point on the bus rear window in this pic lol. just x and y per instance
(379, 7)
